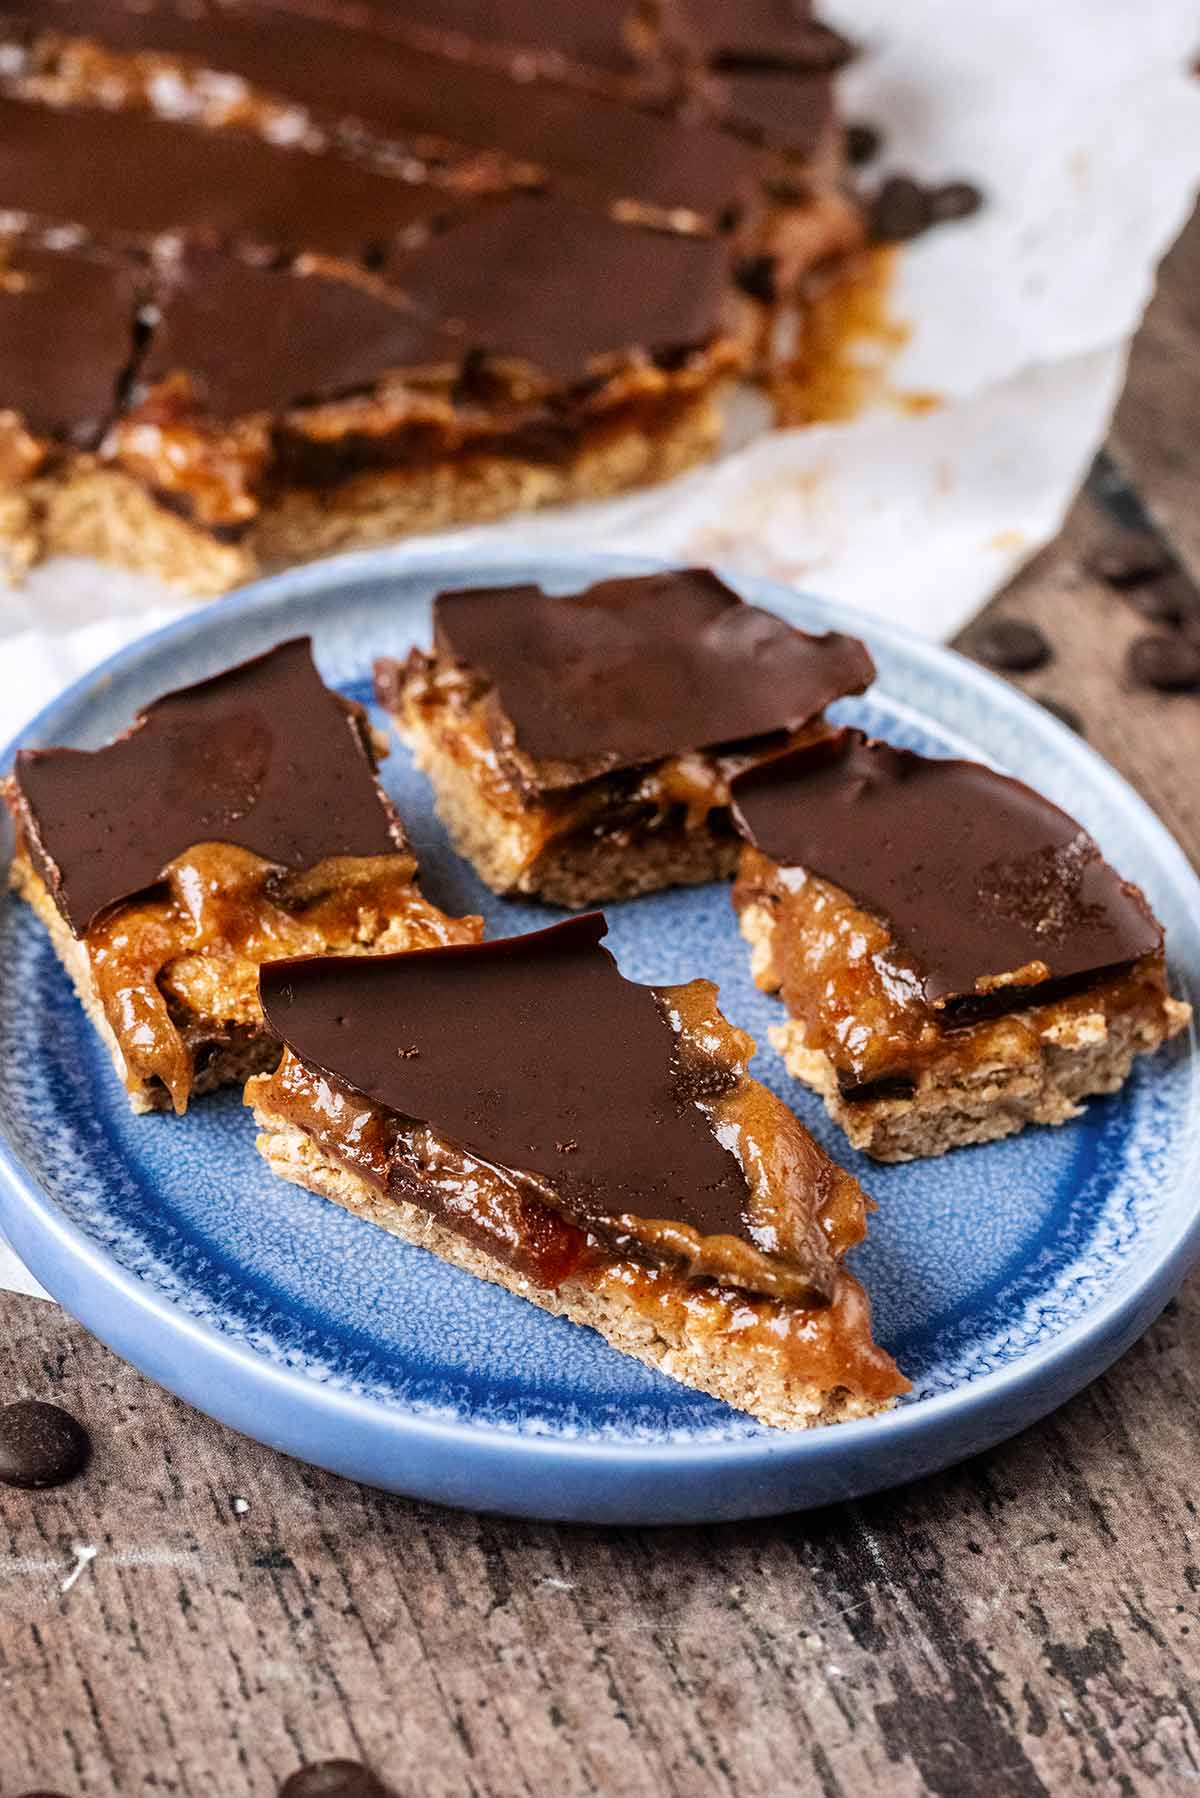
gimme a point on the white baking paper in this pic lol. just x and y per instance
(1081, 120)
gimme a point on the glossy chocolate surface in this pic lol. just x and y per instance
(136, 176)
(554, 284)
(341, 69)
(315, 338)
(976, 876)
(532, 1053)
(533, 279)
(263, 756)
(66, 339)
(639, 668)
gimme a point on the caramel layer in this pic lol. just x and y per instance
(861, 1000)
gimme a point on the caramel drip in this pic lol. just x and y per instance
(194, 952)
(860, 1000)
(803, 1212)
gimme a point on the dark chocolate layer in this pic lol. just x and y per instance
(975, 875)
(554, 285)
(263, 756)
(346, 71)
(314, 338)
(533, 1053)
(66, 339)
(640, 668)
(535, 279)
(136, 176)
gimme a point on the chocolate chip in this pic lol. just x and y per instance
(953, 200)
(1010, 643)
(333, 1779)
(1166, 601)
(1064, 713)
(900, 210)
(1127, 558)
(1169, 664)
(40, 1445)
(863, 143)
(756, 276)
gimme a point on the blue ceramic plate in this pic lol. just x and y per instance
(1003, 1278)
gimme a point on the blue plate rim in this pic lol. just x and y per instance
(1130, 1305)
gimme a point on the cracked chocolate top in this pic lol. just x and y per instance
(642, 667)
(66, 339)
(263, 756)
(533, 1053)
(536, 280)
(977, 877)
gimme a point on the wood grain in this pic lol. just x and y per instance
(1026, 1624)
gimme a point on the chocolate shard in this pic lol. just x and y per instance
(978, 878)
(532, 1053)
(639, 668)
(137, 177)
(557, 285)
(263, 756)
(67, 322)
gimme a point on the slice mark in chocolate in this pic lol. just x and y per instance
(535, 1055)
(640, 668)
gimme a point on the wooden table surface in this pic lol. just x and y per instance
(1028, 1623)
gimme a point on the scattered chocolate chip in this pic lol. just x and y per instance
(40, 1445)
(1010, 643)
(1169, 664)
(953, 200)
(1127, 558)
(900, 210)
(1064, 713)
(1166, 601)
(756, 276)
(333, 1779)
(863, 143)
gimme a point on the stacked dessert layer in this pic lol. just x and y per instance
(234, 895)
(283, 275)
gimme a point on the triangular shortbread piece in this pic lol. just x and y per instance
(527, 1113)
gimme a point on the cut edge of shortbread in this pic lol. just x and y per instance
(710, 1349)
(1084, 1055)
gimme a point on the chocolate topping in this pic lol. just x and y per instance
(66, 339)
(263, 756)
(581, 34)
(976, 876)
(314, 339)
(533, 1053)
(344, 70)
(636, 669)
(527, 278)
(768, 34)
(554, 285)
(785, 109)
(137, 176)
